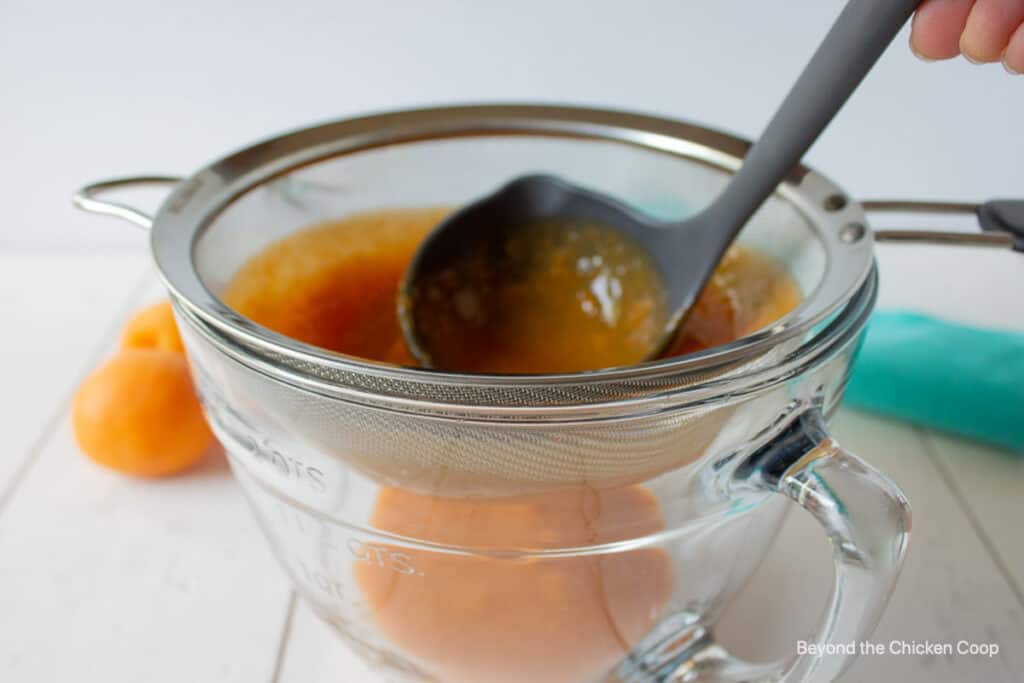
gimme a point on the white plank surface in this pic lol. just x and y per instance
(51, 335)
(133, 580)
(990, 484)
(314, 654)
(105, 578)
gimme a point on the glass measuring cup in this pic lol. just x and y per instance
(698, 448)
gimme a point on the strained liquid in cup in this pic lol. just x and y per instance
(479, 618)
(473, 617)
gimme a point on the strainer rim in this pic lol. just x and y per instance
(196, 202)
(831, 339)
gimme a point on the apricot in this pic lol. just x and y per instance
(153, 328)
(139, 414)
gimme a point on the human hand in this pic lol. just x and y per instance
(980, 30)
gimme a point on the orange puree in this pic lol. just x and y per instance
(480, 618)
(473, 619)
(545, 296)
(335, 285)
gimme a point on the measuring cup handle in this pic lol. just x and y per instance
(864, 515)
(87, 198)
(867, 519)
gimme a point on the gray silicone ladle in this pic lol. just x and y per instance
(685, 252)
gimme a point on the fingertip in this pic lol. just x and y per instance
(989, 28)
(918, 50)
(936, 28)
(1013, 55)
(972, 52)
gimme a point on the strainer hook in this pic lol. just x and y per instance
(87, 198)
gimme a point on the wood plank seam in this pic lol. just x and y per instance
(972, 518)
(49, 428)
(286, 633)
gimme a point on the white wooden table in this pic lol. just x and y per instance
(105, 578)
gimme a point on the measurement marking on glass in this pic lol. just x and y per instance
(382, 556)
(378, 554)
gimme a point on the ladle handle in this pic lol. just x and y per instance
(857, 39)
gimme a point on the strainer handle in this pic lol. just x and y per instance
(867, 519)
(1001, 222)
(87, 198)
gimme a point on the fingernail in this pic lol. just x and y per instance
(1006, 65)
(969, 58)
(926, 60)
(965, 51)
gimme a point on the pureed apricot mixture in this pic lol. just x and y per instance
(554, 295)
(463, 618)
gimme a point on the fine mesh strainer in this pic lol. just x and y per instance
(389, 161)
(221, 216)
(216, 220)
(409, 427)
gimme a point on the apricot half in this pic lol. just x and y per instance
(153, 328)
(139, 414)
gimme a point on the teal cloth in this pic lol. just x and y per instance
(943, 375)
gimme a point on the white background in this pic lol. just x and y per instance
(112, 87)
